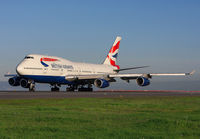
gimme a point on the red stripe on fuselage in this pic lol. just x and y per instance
(48, 59)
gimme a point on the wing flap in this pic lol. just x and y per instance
(85, 77)
(173, 74)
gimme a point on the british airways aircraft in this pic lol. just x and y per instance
(57, 71)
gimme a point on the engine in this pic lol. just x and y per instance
(14, 81)
(101, 83)
(142, 81)
(24, 83)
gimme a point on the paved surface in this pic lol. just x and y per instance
(100, 94)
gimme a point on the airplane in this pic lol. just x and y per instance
(57, 71)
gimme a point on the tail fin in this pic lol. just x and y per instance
(112, 55)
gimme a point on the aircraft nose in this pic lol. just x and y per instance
(19, 69)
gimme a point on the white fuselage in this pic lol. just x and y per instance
(49, 66)
(57, 71)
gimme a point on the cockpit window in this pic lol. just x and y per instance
(29, 57)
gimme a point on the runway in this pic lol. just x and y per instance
(96, 94)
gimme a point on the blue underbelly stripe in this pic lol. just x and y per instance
(48, 79)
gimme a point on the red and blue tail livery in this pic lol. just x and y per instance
(113, 53)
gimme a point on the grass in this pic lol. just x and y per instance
(139, 117)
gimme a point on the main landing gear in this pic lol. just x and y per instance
(72, 88)
(81, 88)
(55, 88)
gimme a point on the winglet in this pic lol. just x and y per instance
(9, 75)
(191, 73)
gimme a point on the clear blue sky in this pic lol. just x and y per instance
(164, 34)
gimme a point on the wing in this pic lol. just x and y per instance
(150, 75)
(122, 76)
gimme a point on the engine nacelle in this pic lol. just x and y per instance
(142, 81)
(24, 83)
(101, 83)
(14, 81)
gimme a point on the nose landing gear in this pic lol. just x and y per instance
(32, 87)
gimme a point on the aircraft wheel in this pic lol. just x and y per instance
(85, 89)
(70, 89)
(55, 89)
(90, 89)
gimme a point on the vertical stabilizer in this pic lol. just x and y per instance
(112, 55)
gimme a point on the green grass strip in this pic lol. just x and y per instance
(139, 117)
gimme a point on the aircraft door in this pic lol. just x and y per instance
(61, 71)
(45, 70)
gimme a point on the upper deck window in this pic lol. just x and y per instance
(29, 57)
